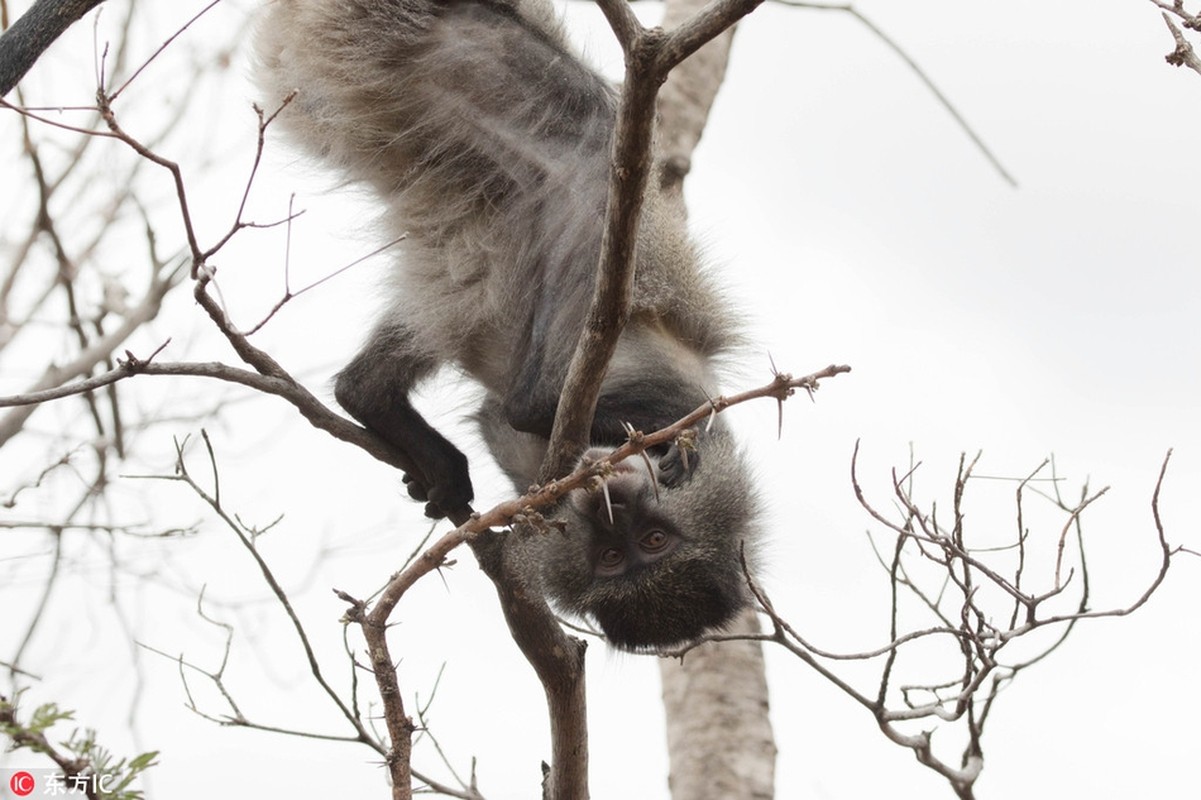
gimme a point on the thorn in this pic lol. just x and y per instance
(608, 500)
(650, 470)
(712, 409)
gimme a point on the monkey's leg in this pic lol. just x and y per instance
(374, 389)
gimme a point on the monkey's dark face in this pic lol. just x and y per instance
(653, 556)
(626, 534)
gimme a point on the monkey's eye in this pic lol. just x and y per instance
(611, 561)
(654, 541)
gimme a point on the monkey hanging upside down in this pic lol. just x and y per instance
(488, 142)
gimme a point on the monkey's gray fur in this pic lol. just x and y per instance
(488, 142)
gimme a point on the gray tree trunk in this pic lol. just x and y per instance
(719, 737)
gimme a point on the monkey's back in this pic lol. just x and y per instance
(488, 142)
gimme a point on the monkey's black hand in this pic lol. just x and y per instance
(450, 491)
(678, 463)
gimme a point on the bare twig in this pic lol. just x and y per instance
(968, 697)
(1183, 55)
(165, 44)
(943, 100)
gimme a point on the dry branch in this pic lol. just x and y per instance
(967, 695)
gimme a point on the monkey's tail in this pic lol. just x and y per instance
(454, 108)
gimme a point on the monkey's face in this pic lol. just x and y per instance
(626, 533)
(653, 556)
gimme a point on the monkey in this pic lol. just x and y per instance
(486, 141)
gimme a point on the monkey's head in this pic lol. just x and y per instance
(654, 560)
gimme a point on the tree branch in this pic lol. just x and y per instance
(650, 55)
(978, 674)
(1183, 55)
(23, 44)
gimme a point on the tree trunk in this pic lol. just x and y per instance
(719, 737)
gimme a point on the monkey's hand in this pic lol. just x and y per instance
(680, 460)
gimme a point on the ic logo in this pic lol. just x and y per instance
(21, 783)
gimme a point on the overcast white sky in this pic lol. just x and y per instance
(856, 224)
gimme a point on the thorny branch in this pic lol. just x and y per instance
(780, 388)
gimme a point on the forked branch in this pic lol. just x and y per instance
(965, 591)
